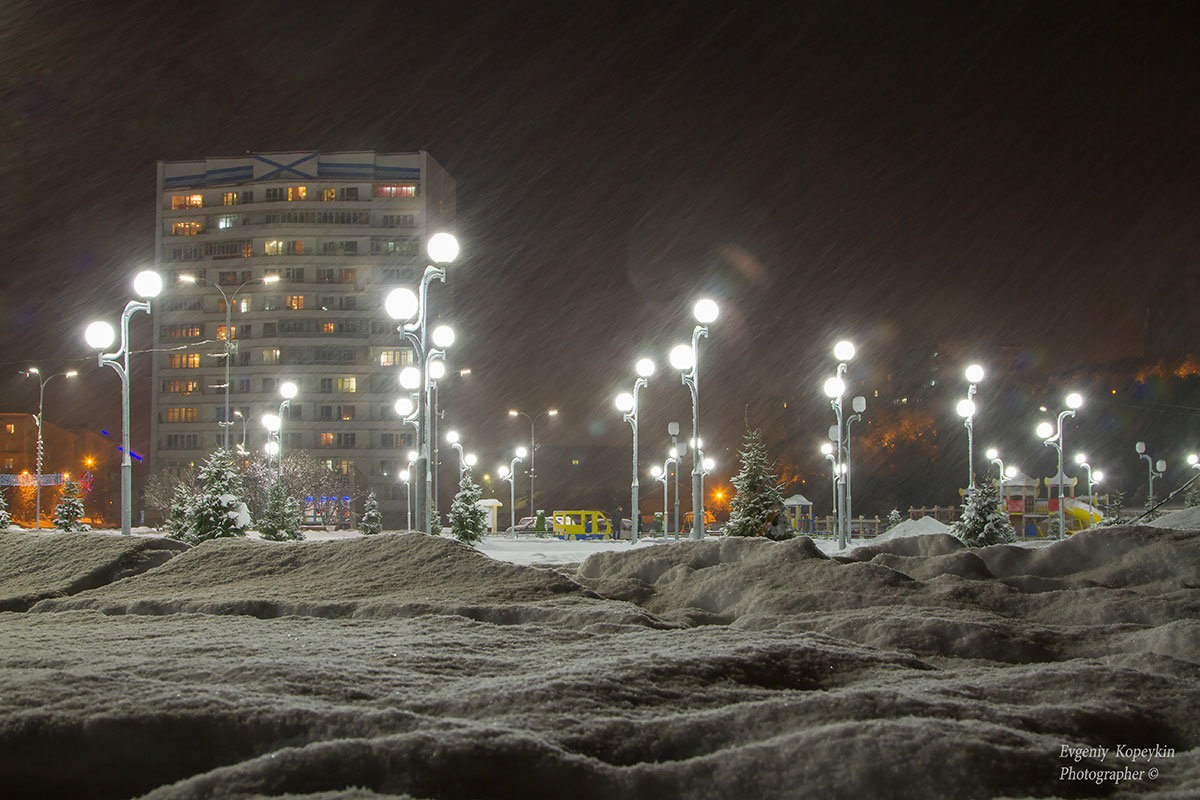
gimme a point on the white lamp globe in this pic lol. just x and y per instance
(521, 452)
(1160, 465)
(502, 471)
(1097, 475)
(992, 453)
(1140, 447)
(442, 248)
(681, 357)
(1045, 430)
(843, 351)
(827, 449)
(705, 311)
(1010, 472)
(413, 455)
(443, 336)
(404, 475)
(147, 283)
(965, 408)
(709, 464)
(1074, 400)
(271, 448)
(1193, 459)
(401, 304)
(403, 406)
(287, 390)
(99, 335)
(624, 402)
(452, 437)
(471, 459)
(974, 373)
(437, 370)
(673, 452)
(644, 367)
(1080, 458)
(656, 471)
(410, 378)
(270, 422)
(834, 387)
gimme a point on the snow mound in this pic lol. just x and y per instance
(1186, 519)
(913, 527)
(35, 566)
(385, 575)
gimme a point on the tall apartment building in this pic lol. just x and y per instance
(339, 230)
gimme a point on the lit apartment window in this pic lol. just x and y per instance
(329, 195)
(185, 228)
(229, 198)
(182, 415)
(347, 385)
(180, 331)
(327, 327)
(275, 247)
(246, 249)
(295, 301)
(184, 361)
(326, 439)
(347, 275)
(230, 333)
(297, 193)
(295, 248)
(187, 201)
(395, 190)
(347, 413)
(240, 305)
(10, 428)
(180, 386)
(271, 356)
(345, 466)
(226, 221)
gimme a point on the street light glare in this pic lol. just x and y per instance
(656, 471)
(186, 278)
(834, 387)
(403, 406)
(681, 357)
(644, 367)
(452, 437)
(99, 335)
(288, 390)
(71, 373)
(1080, 458)
(147, 283)
(1097, 475)
(442, 248)
(413, 455)
(974, 373)
(709, 464)
(705, 311)
(553, 412)
(1193, 459)
(410, 378)
(443, 336)
(1011, 472)
(269, 279)
(404, 475)
(512, 412)
(965, 408)
(521, 452)
(843, 351)
(992, 453)
(401, 304)
(1045, 430)
(624, 402)
(502, 471)
(1074, 400)
(437, 370)
(673, 452)
(271, 448)
(471, 459)
(827, 449)
(270, 422)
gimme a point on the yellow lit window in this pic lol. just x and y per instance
(327, 327)
(221, 332)
(347, 413)
(395, 190)
(229, 198)
(247, 249)
(326, 440)
(271, 356)
(330, 194)
(187, 201)
(185, 228)
(347, 385)
(297, 193)
(295, 301)
(10, 428)
(275, 247)
(184, 360)
(182, 415)
(181, 387)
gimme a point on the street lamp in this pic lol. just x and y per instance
(100, 336)
(1156, 470)
(241, 447)
(993, 455)
(274, 425)
(549, 412)
(33, 372)
(966, 410)
(413, 455)
(835, 387)
(859, 404)
(627, 404)
(452, 438)
(687, 361)
(1053, 437)
(287, 390)
(509, 474)
(1092, 479)
(827, 451)
(230, 344)
(404, 474)
(412, 310)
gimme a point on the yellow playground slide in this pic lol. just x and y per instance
(1083, 514)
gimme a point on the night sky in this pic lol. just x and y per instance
(900, 174)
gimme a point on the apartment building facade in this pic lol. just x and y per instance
(332, 234)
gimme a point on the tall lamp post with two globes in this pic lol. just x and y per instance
(509, 473)
(1156, 470)
(549, 412)
(1093, 478)
(966, 410)
(835, 387)
(1052, 436)
(627, 404)
(687, 361)
(100, 336)
(33, 372)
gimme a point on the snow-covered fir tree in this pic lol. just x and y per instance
(282, 518)
(467, 519)
(539, 524)
(176, 523)
(68, 514)
(218, 510)
(5, 517)
(893, 519)
(372, 520)
(983, 522)
(1191, 495)
(758, 500)
(658, 523)
(1114, 514)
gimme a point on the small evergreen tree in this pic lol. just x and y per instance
(282, 518)
(217, 511)
(658, 523)
(758, 500)
(893, 519)
(539, 524)
(5, 517)
(1052, 529)
(467, 519)
(1116, 505)
(372, 520)
(1191, 495)
(69, 511)
(435, 522)
(983, 522)
(177, 518)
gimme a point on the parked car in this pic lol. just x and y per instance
(524, 525)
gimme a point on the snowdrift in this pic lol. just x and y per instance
(405, 666)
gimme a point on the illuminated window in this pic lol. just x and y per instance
(275, 247)
(347, 385)
(180, 331)
(187, 201)
(185, 228)
(326, 440)
(223, 333)
(390, 358)
(329, 194)
(233, 198)
(180, 386)
(296, 193)
(184, 361)
(247, 249)
(395, 190)
(347, 275)
(347, 413)
(327, 327)
(271, 356)
(240, 306)
(295, 301)
(345, 466)
(295, 248)
(182, 415)
(226, 221)
(10, 428)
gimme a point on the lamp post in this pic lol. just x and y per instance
(412, 310)
(993, 455)
(966, 410)
(663, 474)
(274, 425)
(827, 451)
(1155, 470)
(549, 412)
(687, 361)
(230, 344)
(288, 390)
(33, 372)
(241, 447)
(673, 432)
(627, 404)
(453, 439)
(859, 404)
(509, 474)
(413, 455)
(1081, 460)
(835, 387)
(100, 336)
(1053, 436)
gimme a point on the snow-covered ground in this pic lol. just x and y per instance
(406, 665)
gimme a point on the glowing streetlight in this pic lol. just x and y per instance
(287, 390)
(827, 451)
(835, 388)
(966, 410)
(33, 372)
(1092, 480)
(550, 412)
(627, 404)
(1140, 447)
(993, 455)
(687, 361)
(1053, 437)
(509, 474)
(100, 336)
